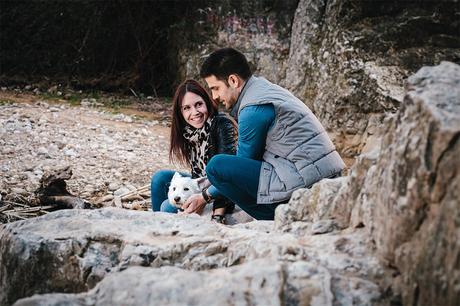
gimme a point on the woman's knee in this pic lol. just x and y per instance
(161, 177)
(168, 207)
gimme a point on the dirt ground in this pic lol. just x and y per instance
(109, 152)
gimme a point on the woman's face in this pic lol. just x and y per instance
(194, 110)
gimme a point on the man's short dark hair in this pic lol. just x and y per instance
(224, 62)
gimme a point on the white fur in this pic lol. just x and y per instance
(177, 189)
(181, 189)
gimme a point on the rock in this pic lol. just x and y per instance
(127, 119)
(38, 172)
(310, 205)
(8, 150)
(417, 218)
(324, 226)
(19, 191)
(42, 151)
(53, 89)
(405, 195)
(273, 283)
(260, 31)
(114, 186)
(72, 250)
(119, 117)
(53, 190)
(70, 152)
(121, 191)
(105, 198)
(238, 216)
(347, 77)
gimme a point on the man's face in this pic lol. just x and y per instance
(221, 92)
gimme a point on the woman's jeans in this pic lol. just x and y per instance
(159, 186)
(237, 178)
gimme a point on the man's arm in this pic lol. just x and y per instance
(253, 125)
(254, 122)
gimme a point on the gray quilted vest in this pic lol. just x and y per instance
(298, 151)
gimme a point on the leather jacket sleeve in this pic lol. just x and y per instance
(224, 134)
(224, 138)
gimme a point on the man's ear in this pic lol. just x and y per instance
(234, 81)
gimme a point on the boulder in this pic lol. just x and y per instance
(71, 251)
(348, 59)
(310, 208)
(416, 206)
(259, 29)
(273, 283)
(406, 195)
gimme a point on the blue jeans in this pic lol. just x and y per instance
(237, 178)
(159, 190)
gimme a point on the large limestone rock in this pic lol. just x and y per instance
(348, 59)
(417, 218)
(71, 251)
(312, 210)
(259, 29)
(304, 283)
(407, 195)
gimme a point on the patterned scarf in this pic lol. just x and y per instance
(198, 146)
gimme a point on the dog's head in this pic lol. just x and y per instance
(181, 188)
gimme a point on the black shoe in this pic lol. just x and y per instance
(218, 218)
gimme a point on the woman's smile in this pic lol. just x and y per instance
(194, 110)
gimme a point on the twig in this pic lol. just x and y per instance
(12, 214)
(143, 188)
(5, 207)
(134, 93)
(29, 209)
(16, 204)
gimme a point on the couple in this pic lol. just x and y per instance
(281, 144)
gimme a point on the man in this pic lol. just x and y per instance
(281, 144)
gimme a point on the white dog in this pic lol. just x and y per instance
(181, 188)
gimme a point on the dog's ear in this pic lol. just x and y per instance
(176, 175)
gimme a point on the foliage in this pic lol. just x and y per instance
(97, 44)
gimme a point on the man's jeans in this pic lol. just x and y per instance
(237, 178)
(159, 190)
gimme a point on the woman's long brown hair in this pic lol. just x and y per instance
(178, 150)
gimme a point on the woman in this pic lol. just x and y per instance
(198, 132)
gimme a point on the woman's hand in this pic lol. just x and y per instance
(194, 204)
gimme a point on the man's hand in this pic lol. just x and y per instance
(194, 204)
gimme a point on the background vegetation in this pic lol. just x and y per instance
(106, 45)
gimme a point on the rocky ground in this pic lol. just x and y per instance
(109, 152)
(385, 234)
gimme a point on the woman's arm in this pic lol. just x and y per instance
(226, 142)
(226, 136)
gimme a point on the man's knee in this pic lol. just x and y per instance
(215, 164)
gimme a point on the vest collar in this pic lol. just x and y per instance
(236, 107)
